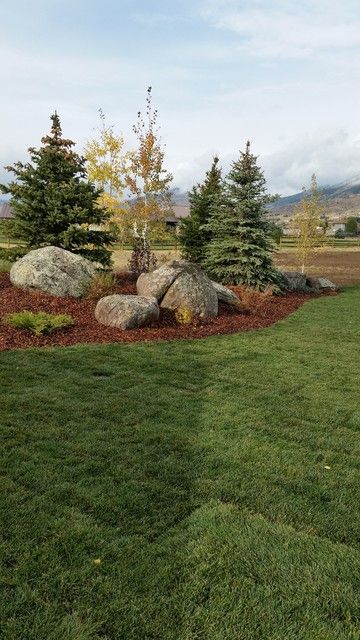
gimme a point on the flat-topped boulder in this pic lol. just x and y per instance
(53, 270)
(126, 311)
(321, 284)
(180, 284)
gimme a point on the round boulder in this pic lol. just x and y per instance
(156, 283)
(192, 289)
(180, 284)
(54, 271)
(294, 281)
(127, 312)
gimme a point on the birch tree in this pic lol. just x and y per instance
(147, 179)
(106, 167)
(308, 221)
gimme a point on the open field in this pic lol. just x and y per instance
(185, 490)
(340, 265)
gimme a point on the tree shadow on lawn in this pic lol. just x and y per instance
(111, 433)
(100, 461)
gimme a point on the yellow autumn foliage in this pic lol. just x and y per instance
(307, 222)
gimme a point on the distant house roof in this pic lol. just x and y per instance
(5, 211)
(180, 211)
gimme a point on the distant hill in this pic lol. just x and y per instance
(342, 199)
(180, 197)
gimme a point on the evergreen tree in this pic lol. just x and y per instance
(193, 234)
(240, 249)
(351, 226)
(53, 202)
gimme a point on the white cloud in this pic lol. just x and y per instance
(287, 29)
(333, 155)
(202, 109)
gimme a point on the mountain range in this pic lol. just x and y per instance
(342, 200)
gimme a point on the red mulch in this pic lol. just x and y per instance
(264, 311)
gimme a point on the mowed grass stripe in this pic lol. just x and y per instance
(197, 473)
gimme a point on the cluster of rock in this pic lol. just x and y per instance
(300, 282)
(175, 285)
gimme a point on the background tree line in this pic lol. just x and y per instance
(86, 203)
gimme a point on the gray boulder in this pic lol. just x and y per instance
(194, 290)
(225, 295)
(127, 312)
(179, 283)
(156, 283)
(54, 271)
(321, 284)
(294, 281)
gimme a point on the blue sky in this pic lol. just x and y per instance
(284, 74)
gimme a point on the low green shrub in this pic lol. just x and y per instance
(101, 285)
(13, 254)
(5, 266)
(40, 323)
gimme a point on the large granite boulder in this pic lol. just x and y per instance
(156, 283)
(294, 281)
(194, 290)
(321, 284)
(54, 271)
(178, 284)
(127, 312)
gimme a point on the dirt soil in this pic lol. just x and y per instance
(264, 310)
(342, 266)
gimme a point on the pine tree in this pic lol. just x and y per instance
(240, 249)
(194, 236)
(53, 202)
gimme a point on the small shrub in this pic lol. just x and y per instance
(5, 266)
(184, 315)
(40, 323)
(340, 233)
(102, 284)
(13, 254)
(253, 299)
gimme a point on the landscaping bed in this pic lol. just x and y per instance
(264, 310)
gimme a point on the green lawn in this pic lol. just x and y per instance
(196, 472)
